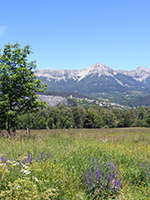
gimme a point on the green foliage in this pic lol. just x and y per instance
(93, 120)
(18, 84)
(108, 117)
(141, 113)
(79, 117)
(62, 117)
(71, 102)
(148, 120)
(140, 100)
(127, 118)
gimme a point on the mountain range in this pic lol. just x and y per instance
(98, 80)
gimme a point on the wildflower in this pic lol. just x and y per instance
(26, 172)
(26, 167)
(35, 179)
(2, 164)
(17, 186)
(3, 159)
(10, 162)
(102, 178)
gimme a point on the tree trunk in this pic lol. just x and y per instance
(28, 131)
(8, 126)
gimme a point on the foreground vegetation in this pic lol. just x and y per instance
(61, 164)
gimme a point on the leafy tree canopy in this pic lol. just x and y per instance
(18, 84)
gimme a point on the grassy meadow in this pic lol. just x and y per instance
(57, 164)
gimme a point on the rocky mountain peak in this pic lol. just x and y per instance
(97, 79)
(142, 69)
(98, 69)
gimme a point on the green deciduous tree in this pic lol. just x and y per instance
(18, 84)
(108, 117)
(148, 120)
(127, 118)
(93, 120)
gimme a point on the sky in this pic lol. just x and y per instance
(75, 34)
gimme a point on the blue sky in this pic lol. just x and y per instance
(75, 34)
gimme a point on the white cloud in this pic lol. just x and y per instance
(2, 28)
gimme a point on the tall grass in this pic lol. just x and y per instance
(63, 176)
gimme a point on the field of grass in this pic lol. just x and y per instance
(67, 160)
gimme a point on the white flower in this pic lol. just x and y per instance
(17, 186)
(26, 172)
(2, 164)
(25, 166)
(35, 179)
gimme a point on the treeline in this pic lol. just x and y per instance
(62, 117)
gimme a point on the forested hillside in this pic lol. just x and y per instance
(140, 101)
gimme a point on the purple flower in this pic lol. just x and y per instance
(102, 179)
(3, 159)
(41, 153)
(143, 166)
(146, 168)
(92, 168)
